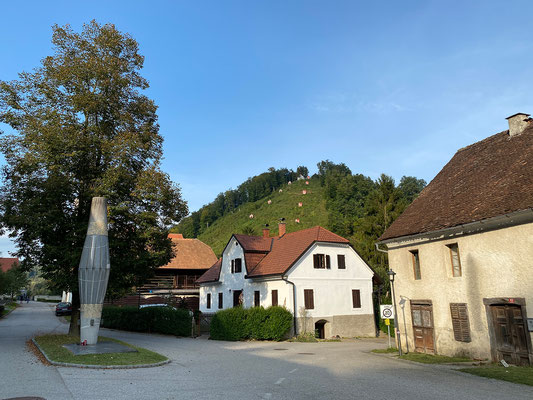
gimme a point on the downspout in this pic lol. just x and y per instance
(283, 277)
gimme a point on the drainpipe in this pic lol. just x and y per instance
(283, 277)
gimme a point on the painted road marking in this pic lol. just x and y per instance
(278, 382)
(293, 371)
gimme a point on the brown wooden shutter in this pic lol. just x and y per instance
(316, 261)
(308, 299)
(274, 297)
(232, 266)
(460, 322)
(341, 261)
(220, 300)
(356, 298)
(328, 262)
(257, 295)
(208, 300)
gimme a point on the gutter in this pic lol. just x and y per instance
(498, 222)
(283, 277)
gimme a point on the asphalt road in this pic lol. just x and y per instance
(204, 369)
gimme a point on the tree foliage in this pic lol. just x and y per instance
(13, 280)
(83, 128)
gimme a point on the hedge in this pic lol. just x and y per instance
(272, 323)
(166, 320)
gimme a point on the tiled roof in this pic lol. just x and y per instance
(254, 243)
(489, 178)
(190, 254)
(7, 263)
(286, 250)
(212, 274)
(252, 259)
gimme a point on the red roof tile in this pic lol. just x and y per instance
(190, 254)
(254, 243)
(7, 263)
(489, 178)
(212, 274)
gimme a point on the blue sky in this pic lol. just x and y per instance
(393, 87)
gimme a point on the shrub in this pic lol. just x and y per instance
(238, 323)
(166, 320)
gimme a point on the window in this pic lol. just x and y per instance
(221, 300)
(321, 261)
(208, 300)
(356, 298)
(461, 326)
(416, 264)
(236, 266)
(257, 298)
(456, 261)
(308, 299)
(341, 261)
(274, 297)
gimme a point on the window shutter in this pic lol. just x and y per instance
(460, 322)
(238, 265)
(220, 300)
(356, 298)
(341, 261)
(208, 300)
(232, 266)
(316, 262)
(257, 295)
(274, 297)
(328, 262)
(308, 299)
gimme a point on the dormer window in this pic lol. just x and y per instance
(236, 266)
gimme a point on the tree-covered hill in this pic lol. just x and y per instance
(351, 205)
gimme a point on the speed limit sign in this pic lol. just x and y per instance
(386, 311)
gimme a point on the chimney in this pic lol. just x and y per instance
(517, 123)
(281, 227)
(266, 231)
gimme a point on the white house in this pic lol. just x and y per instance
(313, 271)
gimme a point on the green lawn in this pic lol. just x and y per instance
(522, 375)
(433, 358)
(9, 307)
(52, 346)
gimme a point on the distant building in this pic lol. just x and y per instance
(8, 263)
(462, 252)
(314, 273)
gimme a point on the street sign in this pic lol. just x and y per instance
(386, 311)
(387, 321)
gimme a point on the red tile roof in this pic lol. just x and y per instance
(7, 263)
(286, 250)
(254, 243)
(190, 254)
(212, 274)
(489, 178)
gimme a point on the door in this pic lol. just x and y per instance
(237, 298)
(320, 331)
(510, 334)
(422, 317)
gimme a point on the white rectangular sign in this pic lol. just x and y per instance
(386, 311)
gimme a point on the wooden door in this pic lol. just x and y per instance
(422, 317)
(237, 298)
(510, 334)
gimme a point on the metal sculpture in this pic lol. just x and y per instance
(93, 273)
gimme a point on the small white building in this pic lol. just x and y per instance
(313, 271)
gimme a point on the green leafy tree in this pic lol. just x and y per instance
(13, 280)
(83, 128)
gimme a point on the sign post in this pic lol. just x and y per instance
(387, 313)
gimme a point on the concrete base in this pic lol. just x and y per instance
(99, 348)
(340, 325)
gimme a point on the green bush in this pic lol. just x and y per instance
(166, 320)
(259, 323)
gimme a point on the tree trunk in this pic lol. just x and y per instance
(74, 328)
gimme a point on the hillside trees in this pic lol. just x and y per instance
(82, 128)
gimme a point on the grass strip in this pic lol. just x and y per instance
(433, 358)
(385, 351)
(52, 345)
(523, 375)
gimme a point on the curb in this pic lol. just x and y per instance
(62, 364)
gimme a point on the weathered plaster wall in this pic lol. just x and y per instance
(498, 263)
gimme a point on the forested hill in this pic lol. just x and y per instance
(351, 205)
